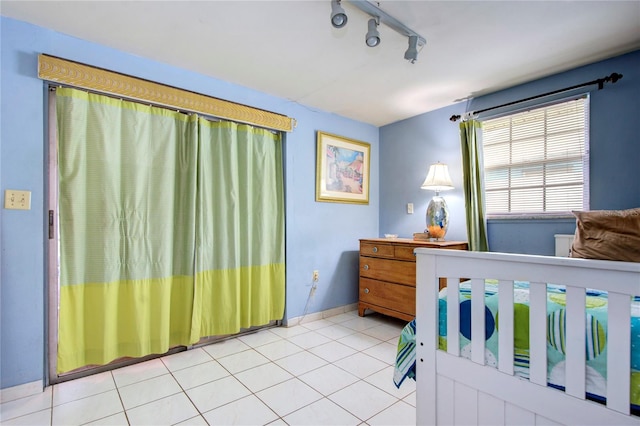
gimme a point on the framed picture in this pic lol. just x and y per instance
(342, 170)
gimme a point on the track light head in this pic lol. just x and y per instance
(373, 36)
(338, 17)
(412, 52)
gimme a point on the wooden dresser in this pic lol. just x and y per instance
(388, 274)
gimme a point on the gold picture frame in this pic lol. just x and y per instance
(342, 169)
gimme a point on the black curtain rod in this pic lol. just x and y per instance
(600, 82)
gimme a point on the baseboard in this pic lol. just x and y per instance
(315, 316)
(21, 391)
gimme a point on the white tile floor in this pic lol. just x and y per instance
(333, 371)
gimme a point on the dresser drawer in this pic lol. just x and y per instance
(405, 252)
(397, 297)
(397, 271)
(375, 249)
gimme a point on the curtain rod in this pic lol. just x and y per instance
(600, 82)
(86, 77)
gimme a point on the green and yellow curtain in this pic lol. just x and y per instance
(473, 182)
(171, 228)
(240, 238)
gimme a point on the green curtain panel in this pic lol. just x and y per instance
(240, 268)
(472, 167)
(171, 229)
(127, 209)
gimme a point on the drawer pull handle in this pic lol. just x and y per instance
(366, 290)
(366, 267)
(375, 249)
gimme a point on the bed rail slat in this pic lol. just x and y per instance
(538, 333)
(505, 327)
(575, 342)
(453, 316)
(427, 338)
(618, 368)
(477, 321)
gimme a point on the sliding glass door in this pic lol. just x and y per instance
(171, 229)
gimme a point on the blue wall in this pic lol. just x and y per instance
(322, 236)
(408, 147)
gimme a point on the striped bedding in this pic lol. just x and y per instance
(596, 338)
(406, 356)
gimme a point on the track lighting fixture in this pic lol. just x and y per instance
(338, 17)
(373, 36)
(411, 53)
(339, 20)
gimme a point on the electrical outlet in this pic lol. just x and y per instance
(409, 208)
(316, 276)
(17, 200)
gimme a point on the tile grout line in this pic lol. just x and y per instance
(124, 410)
(200, 414)
(53, 389)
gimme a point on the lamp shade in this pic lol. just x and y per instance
(438, 178)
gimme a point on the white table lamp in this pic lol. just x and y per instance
(437, 216)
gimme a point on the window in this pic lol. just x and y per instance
(537, 162)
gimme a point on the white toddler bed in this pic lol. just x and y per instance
(453, 388)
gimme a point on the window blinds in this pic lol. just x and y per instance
(537, 161)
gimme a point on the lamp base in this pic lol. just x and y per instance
(437, 218)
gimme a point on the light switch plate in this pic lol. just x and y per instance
(17, 200)
(409, 208)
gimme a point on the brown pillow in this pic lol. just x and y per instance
(607, 235)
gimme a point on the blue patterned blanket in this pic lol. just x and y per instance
(406, 356)
(596, 337)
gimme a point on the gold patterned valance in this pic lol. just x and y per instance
(112, 83)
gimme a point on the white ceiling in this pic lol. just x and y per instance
(289, 48)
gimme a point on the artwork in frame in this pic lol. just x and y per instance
(342, 170)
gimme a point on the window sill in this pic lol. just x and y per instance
(531, 216)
